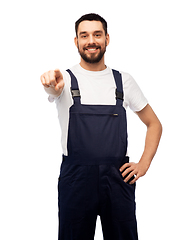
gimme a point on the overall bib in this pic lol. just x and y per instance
(90, 183)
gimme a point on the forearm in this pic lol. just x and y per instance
(153, 136)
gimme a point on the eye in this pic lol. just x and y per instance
(83, 36)
(97, 35)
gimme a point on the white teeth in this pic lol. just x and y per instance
(92, 49)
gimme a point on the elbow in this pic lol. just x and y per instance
(156, 127)
(159, 128)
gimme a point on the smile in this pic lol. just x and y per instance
(92, 50)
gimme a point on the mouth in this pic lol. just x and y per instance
(92, 49)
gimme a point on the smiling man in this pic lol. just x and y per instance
(94, 51)
(96, 177)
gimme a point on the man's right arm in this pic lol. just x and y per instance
(53, 82)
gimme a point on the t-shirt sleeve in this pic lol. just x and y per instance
(133, 96)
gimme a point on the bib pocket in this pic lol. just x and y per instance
(98, 134)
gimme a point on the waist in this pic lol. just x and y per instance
(95, 161)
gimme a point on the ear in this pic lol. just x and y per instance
(76, 41)
(107, 39)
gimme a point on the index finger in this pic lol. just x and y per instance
(58, 74)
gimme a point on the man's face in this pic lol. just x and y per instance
(91, 41)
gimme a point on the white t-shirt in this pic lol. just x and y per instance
(96, 87)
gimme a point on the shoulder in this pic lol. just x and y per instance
(127, 79)
(133, 95)
(129, 83)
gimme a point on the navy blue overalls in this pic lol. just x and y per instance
(90, 183)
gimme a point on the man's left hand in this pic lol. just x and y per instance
(135, 170)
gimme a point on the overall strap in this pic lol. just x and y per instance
(119, 87)
(74, 88)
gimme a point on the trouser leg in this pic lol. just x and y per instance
(77, 203)
(119, 230)
(117, 206)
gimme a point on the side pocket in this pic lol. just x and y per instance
(132, 178)
(126, 160)
(123, 197)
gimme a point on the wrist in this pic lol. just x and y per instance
(145, 163)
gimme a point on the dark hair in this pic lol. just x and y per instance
(91, 17)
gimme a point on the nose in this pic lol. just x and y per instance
(91, 39)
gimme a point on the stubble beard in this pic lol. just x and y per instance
(92, 58)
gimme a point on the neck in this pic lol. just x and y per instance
(100, 66)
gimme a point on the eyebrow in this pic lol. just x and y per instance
(99, 31)
(82, 33)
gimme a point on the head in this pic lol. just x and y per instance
(91, 37)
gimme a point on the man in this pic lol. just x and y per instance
(96, 176)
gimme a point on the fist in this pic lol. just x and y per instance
(53, 79)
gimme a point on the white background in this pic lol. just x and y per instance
(37, 36)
